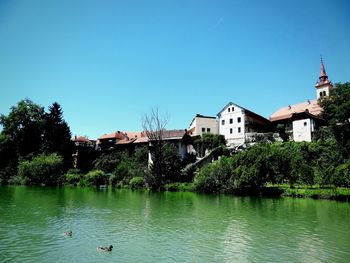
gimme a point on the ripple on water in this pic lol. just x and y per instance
(151, 228)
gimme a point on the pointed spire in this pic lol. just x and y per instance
(323, 73)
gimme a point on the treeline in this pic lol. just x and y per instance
(295, 163)
(36, 148)
(33, 141)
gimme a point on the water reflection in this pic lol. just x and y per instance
(168, 227)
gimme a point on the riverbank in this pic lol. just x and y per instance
(315, 192)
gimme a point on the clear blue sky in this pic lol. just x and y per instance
(108, 62)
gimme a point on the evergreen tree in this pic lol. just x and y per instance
(57, 134)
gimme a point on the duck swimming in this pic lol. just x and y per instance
(68, 233)
(105, 249)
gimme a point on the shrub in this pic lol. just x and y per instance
(96, 177)
(42, 169)
(342, 174)
(73, 176)
(137, 183)
(214, 177)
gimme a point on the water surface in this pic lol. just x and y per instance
(168, 227)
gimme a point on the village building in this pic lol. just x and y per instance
(201, 124)
(302, 119)
(117, 139)
(239, 124)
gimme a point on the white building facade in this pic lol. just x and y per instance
(237, 124)
(231, 124)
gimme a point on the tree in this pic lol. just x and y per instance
(336, 110)
(42, 169)
(57, 136)
(154, 126)
(24, 125)
(8, 158)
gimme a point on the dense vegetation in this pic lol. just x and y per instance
(32, 140)
(323, 162)
(36, 148)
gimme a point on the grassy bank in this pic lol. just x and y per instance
(315, 192)
(339, 193)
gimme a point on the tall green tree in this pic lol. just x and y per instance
(57, 135)
(337, 112)
(24, 125)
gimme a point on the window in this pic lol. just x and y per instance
(222, 122)
(320, 93)
(239, 119)
(228, 109)
(231, 130)
(305, 123)
(233, 108)
(203, 129)
(208, 129)
(324, 93)
(231, 121)
(239, 129)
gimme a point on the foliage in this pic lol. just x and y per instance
(165, 170)
(42, 169)
(73, 176)
(187, 174)
(207, 142)
(336, 110)
(214, 177)
(8, 159)
(182, 187)
(107, 161)
(294, 163)
(281, 129)
(24, 125)
(27, 132)
(96, 177)
(130, 166)
(137, 183)
(57, 135)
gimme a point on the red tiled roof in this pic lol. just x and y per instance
(286, 112)
(125, 141)
(133, 135)
(115, 135)
(168, 134)
(81, 139)
(141, 140)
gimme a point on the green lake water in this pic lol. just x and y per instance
(168, 227)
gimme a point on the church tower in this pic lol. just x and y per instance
(323, 85)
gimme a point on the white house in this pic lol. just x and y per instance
(237, 124)
(203, 124)
(301, 119)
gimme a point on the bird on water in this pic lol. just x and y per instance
(68, 233)
(105, 249)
